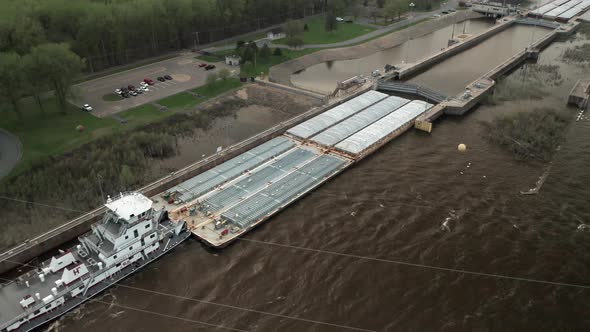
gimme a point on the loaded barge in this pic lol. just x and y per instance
(130, 235)
(228, 200)
(217, 206)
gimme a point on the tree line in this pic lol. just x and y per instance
(110, 33)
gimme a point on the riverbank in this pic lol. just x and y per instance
(77, 181)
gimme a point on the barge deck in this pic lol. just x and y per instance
(225, 202)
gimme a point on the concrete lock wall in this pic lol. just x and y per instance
(452, 50)
(56, 237)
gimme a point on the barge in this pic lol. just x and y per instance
(228, 200)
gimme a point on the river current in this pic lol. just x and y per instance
(416, 200)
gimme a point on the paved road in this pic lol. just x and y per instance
(10, 152)
(184, 70)
(412, 18)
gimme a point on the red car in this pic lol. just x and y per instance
(201, 65)
(149, 81)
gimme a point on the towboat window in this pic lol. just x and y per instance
(152, 236)
(147, 226)
(130, 248)
(48, 306)
(36, 312)
(115, 257)
(81, 287)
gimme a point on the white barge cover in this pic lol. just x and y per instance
(586, 17)
(360, 120)
(544, 9)
(561, 9)
(371, 135)
(581, 7)
(336, 114)
(231, 169)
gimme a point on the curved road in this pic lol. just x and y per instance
(10, 152)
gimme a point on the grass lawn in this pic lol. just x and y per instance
(178, 102)
(54, 132)
(218, 88)
(215, 57)
(263, 65)
(316, 34)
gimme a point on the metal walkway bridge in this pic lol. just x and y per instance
(412, 89)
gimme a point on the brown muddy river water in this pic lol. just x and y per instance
(392, 206)
(323, 77)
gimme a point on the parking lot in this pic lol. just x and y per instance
(184, 70)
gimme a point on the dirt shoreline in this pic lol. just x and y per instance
(282, 73)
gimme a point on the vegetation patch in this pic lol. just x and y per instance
(111, 97)
(579, 54)
(530, 82)
(528, 135)
(179, 100)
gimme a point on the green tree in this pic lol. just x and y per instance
(248, 55)
(26, 33)
(211, 79)
(12, 80)
(60, 66)
(265, 52)
(126, 178)
(330, 24)
(36, 81)
(294, 28)
(223, 74)
(277, 52)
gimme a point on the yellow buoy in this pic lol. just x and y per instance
(462, 147)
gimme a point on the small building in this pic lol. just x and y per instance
(276, 33)
(233, 60)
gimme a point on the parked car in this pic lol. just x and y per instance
(161, 79)
(149, 81)
(168, 77)
(118, 91)
(125, 95)
(436, 15)
(87, 108)
(339, 19)
(145, 88)
(201, 65)
(131, 87)
(133, 93)
(445, 12)
(452, 10)
(209, 67)
(139, 90)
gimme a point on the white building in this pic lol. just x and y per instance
(276, 33)
(233, 60)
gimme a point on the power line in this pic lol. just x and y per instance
(41, 204)
(228, 306)
(167, 316)
(431, 267)
(154, 313)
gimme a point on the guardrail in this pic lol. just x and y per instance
(413, 89)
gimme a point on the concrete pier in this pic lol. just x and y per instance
(580, 94)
